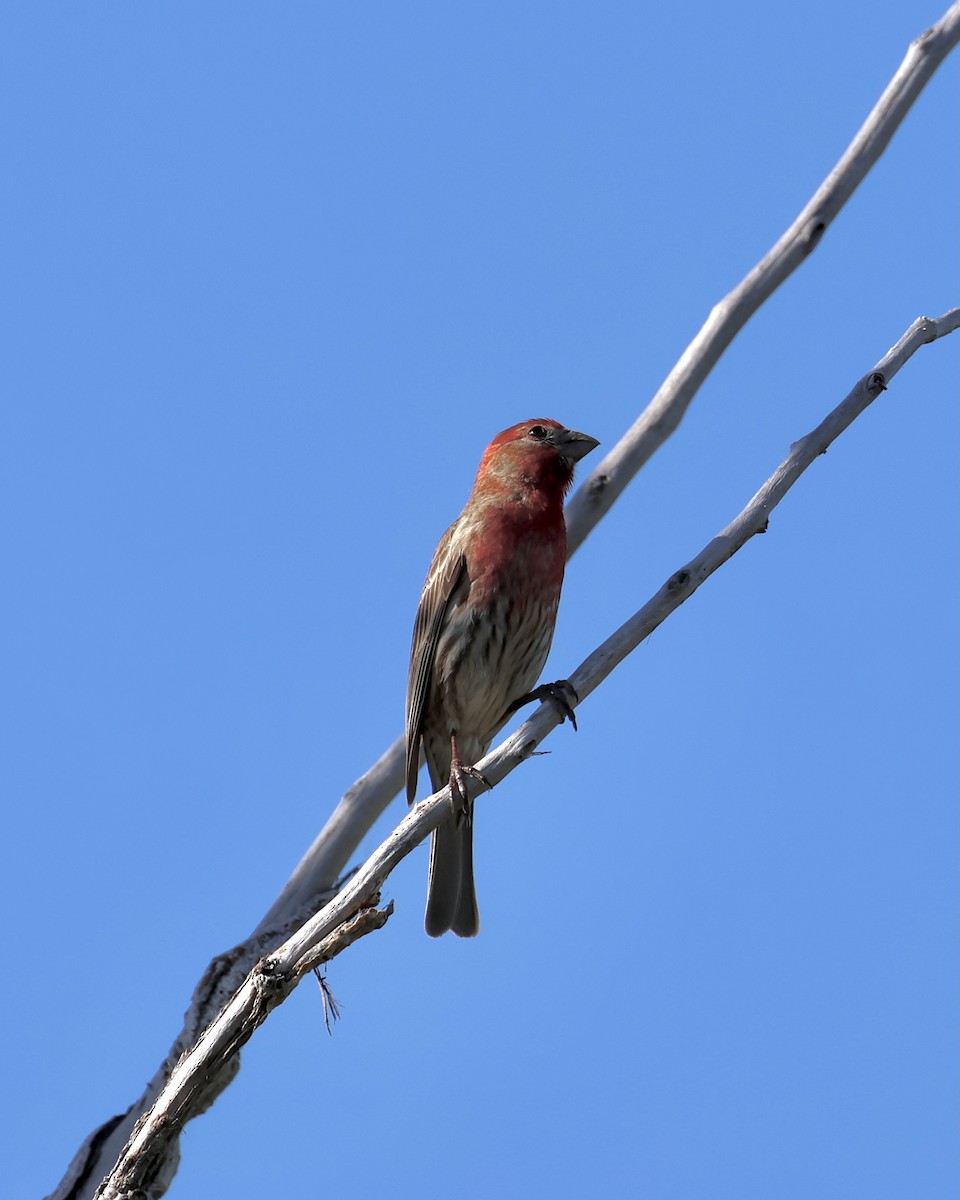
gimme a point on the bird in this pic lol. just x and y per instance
(482, 633)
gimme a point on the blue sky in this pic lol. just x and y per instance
(273, 276)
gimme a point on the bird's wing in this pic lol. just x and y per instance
(447, 573)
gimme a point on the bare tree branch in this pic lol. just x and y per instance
(666, 410)
(315, 878)
(268, 985)
(351, 914)
(369, 796)
(754, 517)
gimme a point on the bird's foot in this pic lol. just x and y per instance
(459, 774)
(459, 801)
(562, 693)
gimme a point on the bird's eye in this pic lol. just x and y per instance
(537, 432)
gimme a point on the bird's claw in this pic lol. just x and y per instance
(459, 800)
(561, 692)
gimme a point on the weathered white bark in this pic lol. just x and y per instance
(666, 410)
(754, 517)
(351, 914)
(315, 878)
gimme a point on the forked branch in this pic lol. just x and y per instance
(315, 878)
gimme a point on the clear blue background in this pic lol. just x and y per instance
(273, 276)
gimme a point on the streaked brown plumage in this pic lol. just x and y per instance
(482, 634)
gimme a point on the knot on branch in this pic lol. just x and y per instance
(876, 383)
(678, 581)
(812, 233)
(527, 750)
(271, 983)
(598, 485)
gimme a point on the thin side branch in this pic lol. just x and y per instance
(754, 518)
(267, 985)
(666, 410)
(351, 913)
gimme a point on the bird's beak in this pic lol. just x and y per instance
(572, 445)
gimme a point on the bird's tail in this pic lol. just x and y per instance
(451, 895)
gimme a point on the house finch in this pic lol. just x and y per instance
(483, 630)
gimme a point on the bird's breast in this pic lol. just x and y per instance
(491, 651)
